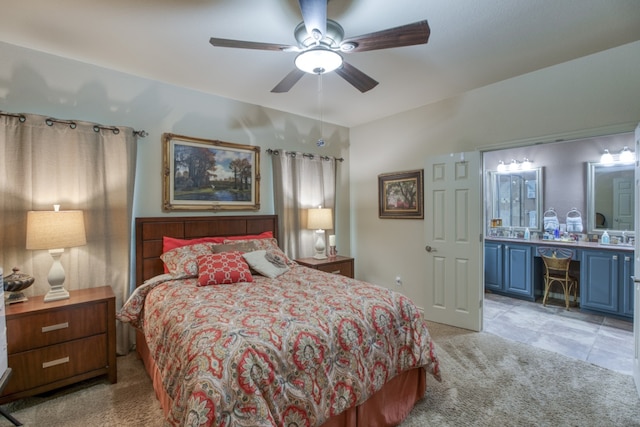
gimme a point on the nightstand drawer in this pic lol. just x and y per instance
(344, 268)
(49, 364)
(55, 326)
(338, 265)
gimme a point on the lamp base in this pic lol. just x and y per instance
(56, 293)
(56, 278)
(320, 246)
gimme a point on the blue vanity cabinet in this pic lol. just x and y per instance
(518, 270)
(515, 269)
(493, 269)
(626, 282)
(508, 269)
(600, 277)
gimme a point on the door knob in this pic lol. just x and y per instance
(429, 249)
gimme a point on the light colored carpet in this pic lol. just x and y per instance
(487, 381)
(491, 381)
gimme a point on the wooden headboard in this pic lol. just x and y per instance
(149, 232)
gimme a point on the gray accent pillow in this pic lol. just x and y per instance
(267, 263)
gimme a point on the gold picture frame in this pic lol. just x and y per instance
(209, 175)
(401, 195)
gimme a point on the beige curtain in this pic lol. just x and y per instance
(77, 165)
(301, 181)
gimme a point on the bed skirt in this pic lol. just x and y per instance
(388, 407)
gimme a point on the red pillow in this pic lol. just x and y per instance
(263, 235)
(169, 243)
(222, 269)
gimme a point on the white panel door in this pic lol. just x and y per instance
(636, 272)
(623, 202)
(453, 248)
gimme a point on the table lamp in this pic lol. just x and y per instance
(55, 230)
(319, 219)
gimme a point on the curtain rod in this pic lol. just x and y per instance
(96, 127)
(309, 155)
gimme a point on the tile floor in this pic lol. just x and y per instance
(601, 340)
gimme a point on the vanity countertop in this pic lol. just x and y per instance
(571, 244)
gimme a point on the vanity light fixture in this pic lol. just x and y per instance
(501, 166)
(527, 164)
(514, 165)
(626, 155)
(606, 158)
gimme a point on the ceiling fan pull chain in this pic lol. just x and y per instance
(320, 142)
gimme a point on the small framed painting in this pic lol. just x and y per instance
(400, 195)
(201, 174)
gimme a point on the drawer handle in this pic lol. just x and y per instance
(55, 362)
(55, 327)
(336, 272)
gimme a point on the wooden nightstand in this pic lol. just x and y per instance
(54, 344)
(338, 265)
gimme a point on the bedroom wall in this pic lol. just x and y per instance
(594, 95)
(34, 82)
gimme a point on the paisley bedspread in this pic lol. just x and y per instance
(294, 350)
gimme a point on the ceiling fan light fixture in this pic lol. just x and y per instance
(318, 60)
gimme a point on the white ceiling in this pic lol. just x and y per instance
(473, 43)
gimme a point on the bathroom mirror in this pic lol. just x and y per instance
(515, 197)
(610, 198)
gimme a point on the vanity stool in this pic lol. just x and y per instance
(556, 265)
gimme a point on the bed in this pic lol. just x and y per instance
(280, 345)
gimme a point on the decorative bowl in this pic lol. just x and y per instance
(14, 284)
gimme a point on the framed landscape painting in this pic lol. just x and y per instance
(400, 195)
(201, 174)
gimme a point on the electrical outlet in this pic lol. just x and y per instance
(398, 281)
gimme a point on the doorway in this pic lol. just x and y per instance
(578, 334)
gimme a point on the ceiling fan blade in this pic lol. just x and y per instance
(251, 45)
(405, 35)
(288, 82)
(356, 78)
(314, 15)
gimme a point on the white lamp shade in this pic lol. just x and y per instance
(318, 60)
(319, 219)
(627, 156)
(606, 158)
(55, 229)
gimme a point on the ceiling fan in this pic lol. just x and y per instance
(321, 42)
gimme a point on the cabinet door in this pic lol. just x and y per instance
(518, 265)
(493, 266)
(599, 274)
(626, 282)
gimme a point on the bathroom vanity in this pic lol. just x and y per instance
(514, 268)
(562, 178)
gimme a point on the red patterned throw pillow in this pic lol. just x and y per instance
(222, 269)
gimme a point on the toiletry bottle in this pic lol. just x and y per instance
(605, 238)
(556, 233)
(527, 234)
